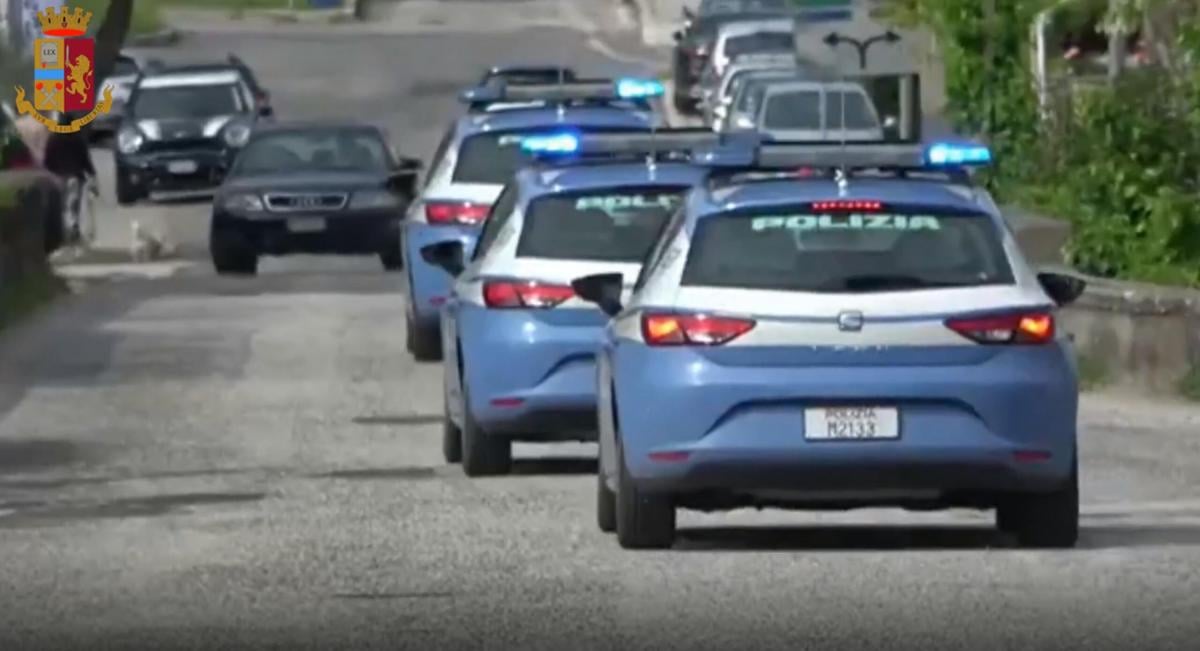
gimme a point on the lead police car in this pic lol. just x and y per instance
(519, 345)
(869, 335)
(478, 155)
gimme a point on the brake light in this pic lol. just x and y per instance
(1026, 328)
(455, 212)
(692, 329)
(525, 294)
(847, 206)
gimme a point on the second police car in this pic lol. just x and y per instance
(863, 336)
(519, 345)
(479, 154)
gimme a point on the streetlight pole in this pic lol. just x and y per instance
(834, 39)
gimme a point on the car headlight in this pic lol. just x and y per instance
(129, 140)
(236, 134)
(744, 122)
(374, 199)
(242, 203)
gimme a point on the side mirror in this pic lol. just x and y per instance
(448, 255)
(409, 165)
(721, 111)
(602, 289)
(266, 111)
(1061, 288)
(677, 35)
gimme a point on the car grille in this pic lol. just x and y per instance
(286, 202)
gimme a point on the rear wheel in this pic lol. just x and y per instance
(644, 520)
(451, 438)
(425, 344)
(606, 505)
(128, 192)
(232, 255)
(391, 259)
(1045, 520)
(482, 455)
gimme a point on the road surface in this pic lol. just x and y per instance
(194, 462)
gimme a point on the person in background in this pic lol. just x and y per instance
(68, 157)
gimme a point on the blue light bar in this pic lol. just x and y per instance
(558, 143)
(951, 154)
(630, 88)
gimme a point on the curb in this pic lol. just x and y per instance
(161, 38)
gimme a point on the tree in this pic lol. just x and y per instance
(111, 36)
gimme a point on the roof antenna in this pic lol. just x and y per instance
(652, 159)
(562, 82)
(842, 175)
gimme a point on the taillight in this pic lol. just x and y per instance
(1022, 328)
(525, 294)
(455, 212)
(692, 329)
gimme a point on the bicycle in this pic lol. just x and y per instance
(80, 210)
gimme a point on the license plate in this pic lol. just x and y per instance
(851, 423)
(306, 225)
(182, 167)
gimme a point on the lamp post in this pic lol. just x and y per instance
(835, 39)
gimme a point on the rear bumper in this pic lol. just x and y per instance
(687, 423)
(357, 232)
(428, 286)
(152, 171)
(528, 377)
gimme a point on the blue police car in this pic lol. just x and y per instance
(479, 154)
(810, 336)
(520, 346)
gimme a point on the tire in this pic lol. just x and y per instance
(482, 455)
(451, 439)
(425, 344)
(233, 256)
(128, 192)
(392, 260)
(606, 505)
(644, 521)
(1044, 520)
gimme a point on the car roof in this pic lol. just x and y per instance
(778, 87)
(748, 27)
(549, 180)
(533, 118)
(765, 194)
(176, 77)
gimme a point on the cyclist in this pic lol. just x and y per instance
(68, 157)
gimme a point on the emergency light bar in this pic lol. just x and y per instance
(628, 89)
(570, 146)
(832, 155)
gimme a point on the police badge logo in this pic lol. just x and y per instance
(64, 77)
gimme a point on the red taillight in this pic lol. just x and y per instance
(692, 329)
(847, 206)
(455, 212)
(1027, 328)
(518, 294)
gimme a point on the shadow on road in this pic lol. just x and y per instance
(882, 538)
(556, 466)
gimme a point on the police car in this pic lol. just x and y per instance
(808, 337)
(519, 344)
(479, 154)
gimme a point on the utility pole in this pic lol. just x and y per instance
(834, 39)
(1116, 40)
(989, 58)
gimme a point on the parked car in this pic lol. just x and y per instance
(125, 74)
(716, 100)
(819, 110)
(741, 111)
(743, 37)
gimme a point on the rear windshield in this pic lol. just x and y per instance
(610, 225)
(493, 158)
(760, 42)
(801, 109)
(710, 7)
(798, 250)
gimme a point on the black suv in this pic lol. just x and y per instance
(182, 128)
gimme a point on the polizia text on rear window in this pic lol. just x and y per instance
(618, 225)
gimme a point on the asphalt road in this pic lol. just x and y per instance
(219, 463)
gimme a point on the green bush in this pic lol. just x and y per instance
(1122, 163)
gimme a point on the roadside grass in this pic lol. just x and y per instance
(1189, 386)
(22, 299)
(147, 17)
(1093, 372)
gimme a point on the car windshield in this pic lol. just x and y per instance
(492, 158)
(175, 102)
(801, 110)
(760, 42)
(323, 150)
(611, 225)
(125, 68)
(795, 249)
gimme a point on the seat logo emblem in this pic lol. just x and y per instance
(850, 321)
